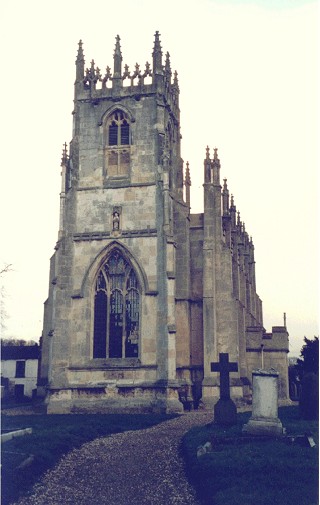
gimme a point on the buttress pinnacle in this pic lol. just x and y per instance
(176, 81)
(168, 67)
(117, 58)
(187, 179)
(80, 63)
(64, 158)
(80, 55)
(157, 55)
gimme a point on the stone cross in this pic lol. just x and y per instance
(224, 367)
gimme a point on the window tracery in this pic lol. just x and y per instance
(116, 310)
(118, 145)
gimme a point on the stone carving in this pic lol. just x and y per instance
(116, 218)
(115, 221)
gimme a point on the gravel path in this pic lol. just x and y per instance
(131, 468)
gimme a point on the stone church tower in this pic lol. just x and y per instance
(144, 295)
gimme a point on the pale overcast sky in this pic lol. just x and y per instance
(248, 76)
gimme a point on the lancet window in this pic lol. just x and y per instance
(118, 145)
(116, 310)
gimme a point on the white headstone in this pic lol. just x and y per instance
(264, 419)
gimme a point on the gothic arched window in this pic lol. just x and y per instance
(118, 145)
(116, 310)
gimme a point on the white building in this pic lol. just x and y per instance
(19, 369)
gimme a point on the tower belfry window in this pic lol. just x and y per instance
(124, 133)
(113, 134)
(118, 145)
(116, 310)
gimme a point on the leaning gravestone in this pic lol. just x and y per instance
(225, 410)
(264, 419)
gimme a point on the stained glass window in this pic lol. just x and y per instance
(116, 310)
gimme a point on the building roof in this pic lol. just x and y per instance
(20, 352)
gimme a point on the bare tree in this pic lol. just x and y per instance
(10, 342)
(7, 267)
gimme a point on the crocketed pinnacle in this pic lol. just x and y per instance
(168, 67)
(225, 198)
(64, 158)
(117, 58)
(157, 55)
(117, 49)
(80, 63)
(80, 56)
(187, 179)
(176, 81)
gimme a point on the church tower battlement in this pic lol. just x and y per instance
(144, 294)
(110, 141)
(122, 83)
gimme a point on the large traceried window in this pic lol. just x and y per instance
(116, 310)
(118, 145)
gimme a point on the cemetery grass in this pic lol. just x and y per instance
(53, 436)
(253, 473)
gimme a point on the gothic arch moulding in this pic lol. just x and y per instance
(113, 109)
(101, 258)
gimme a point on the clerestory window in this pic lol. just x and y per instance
(118, 145)
(116, 310)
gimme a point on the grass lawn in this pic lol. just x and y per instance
(254, 473)
(53, 436)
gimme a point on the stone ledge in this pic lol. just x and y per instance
(147, 232)
(111, 183)
(101, 386)
(190, 367)
(106, 365)
(258, 349)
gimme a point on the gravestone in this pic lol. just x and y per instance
(309, 397)
(225, 410)
(264, 419)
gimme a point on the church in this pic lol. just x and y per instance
(143, 294)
